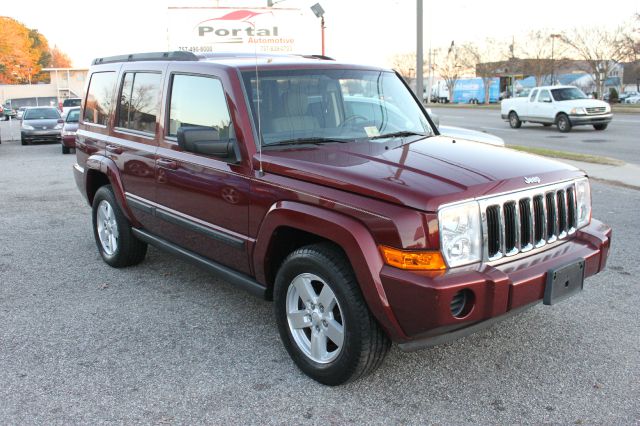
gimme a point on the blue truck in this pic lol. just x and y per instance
(471, 90)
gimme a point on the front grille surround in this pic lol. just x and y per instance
(596, 110)
(527, 220)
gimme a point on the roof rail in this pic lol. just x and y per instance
(322, 57)
(149, 56)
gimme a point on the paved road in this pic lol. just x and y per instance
(165, 343)
(621, 140)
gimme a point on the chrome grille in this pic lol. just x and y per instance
(527, 220)
(596, 110)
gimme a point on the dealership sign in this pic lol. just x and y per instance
(223, 29)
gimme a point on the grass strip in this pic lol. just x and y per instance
(568, 155)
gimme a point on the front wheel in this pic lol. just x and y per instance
(323, 320)
(514, 120)
(600, 126)
(116, 243)
(564, 124)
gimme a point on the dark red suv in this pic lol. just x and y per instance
(326, 187)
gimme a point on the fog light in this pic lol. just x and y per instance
(462, 303)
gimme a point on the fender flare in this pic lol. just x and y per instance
(351, 235)
(109, 168)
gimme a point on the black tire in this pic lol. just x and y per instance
(600, 126)
(563, 123)
(66, 149)
(23, 141)
(364, 346)
(129, 250)
(514, 120)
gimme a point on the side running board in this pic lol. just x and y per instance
(234, 277)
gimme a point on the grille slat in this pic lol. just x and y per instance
(596, 110)
(528, 220)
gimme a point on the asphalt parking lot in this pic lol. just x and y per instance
(165, 343)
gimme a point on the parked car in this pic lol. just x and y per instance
(7, 112)
(20, 112)
(625, 95)
(564, 106)
(69, 103)
(363, 225)
(70, 129)
(41, 124)
(632, 99)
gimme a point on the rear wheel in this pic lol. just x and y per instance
(600, 126)
(324, 322)
(65, 149)
(116, 243)
(564, 124)
(514, 120)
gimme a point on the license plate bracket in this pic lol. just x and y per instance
(564, 282)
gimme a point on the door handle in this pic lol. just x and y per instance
(167, 164)
(114, 149)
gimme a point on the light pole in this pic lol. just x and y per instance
(553, 63)
(419, 58)
(319, 12)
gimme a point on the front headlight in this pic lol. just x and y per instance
(583, 200)
(68, 133)
(607, 108)
(460, 234)
(578, 111)
(59, 126)
(27, 127)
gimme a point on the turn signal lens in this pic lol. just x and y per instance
(413, 260)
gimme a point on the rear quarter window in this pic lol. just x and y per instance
(99, 98)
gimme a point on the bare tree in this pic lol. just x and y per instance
(405, 64)
(543, 55)
(451, 67)
(485, 59)
(601, 50)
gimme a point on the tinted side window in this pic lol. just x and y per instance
(139, 101)
(99, 96)
(198, 101)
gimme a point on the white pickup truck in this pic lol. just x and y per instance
(565, 106)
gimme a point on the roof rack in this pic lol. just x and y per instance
(149, 56)
(322, 57)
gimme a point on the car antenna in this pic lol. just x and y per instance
(260, 170)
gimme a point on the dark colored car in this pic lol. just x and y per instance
(41, 124)
(69, 130)
(361, 222)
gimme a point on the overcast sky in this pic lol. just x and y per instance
(357, 30)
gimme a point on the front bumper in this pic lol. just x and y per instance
(41, 135)
(579, 120)
(421, 301)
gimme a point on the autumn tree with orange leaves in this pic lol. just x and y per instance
(24, 52)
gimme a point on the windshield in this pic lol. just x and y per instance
(73, 116)
(41, 114)
(71, 103)
(568, 94)
(326, 106)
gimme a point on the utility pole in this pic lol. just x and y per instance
(553, 61)
(419, 58)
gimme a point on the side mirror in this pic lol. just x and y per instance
(204, 140)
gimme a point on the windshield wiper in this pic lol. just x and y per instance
(302, 141)
(399, 135)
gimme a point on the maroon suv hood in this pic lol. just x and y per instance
(422, 174)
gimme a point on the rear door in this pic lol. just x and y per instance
(134, 137)
(203, 200)
(93, 129)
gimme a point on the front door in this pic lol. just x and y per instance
(202, 199)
